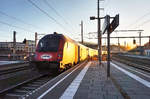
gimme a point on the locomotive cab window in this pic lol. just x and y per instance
(48, 43)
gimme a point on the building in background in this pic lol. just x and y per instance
(144, 49)
(115, 49)
(139, 50)
(29, 49)
(147, 49)
(23, 50)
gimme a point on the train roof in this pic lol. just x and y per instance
(66, 38)
(61, 36)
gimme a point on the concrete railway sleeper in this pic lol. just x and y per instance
(15, 70)
(25, 88)
(135, 64)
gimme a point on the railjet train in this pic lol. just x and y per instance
(58, 52)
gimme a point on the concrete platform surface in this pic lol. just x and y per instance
(82, 82)
(89, 81)
(96, 85)
(133, 83)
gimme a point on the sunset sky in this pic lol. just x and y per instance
(64, 16)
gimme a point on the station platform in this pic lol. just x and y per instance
(133, 83)
(89, 81)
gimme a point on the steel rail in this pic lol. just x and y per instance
(144, 67)
(5, 91)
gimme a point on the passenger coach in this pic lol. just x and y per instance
(58, 52)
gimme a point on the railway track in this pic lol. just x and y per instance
(8, 71)
(25, 88)
(11, 68)
(28, 86)
(143, 64)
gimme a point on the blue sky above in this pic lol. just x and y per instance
(73, 11)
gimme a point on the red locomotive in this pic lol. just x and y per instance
(58, 52)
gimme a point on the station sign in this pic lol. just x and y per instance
(106, 24)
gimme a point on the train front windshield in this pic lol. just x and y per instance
(48, 44)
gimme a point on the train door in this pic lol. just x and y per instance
(78, 53)
(87, 53)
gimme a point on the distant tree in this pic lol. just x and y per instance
(24, 41)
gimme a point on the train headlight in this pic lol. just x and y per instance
(59, 57)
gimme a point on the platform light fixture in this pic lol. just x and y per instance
(92, 18)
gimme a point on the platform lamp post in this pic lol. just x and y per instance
(99, 37)
(98, 30)
(14, 45)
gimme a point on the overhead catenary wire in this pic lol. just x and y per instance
(143, 23)
(17, 19)
(44, 12)
(15, 26)
(108, 1)
(105, 6)
(137, 20)
(56, 12)
(3, 30)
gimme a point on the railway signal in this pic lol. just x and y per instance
(114, 24)
(134, 41)
(109, 28)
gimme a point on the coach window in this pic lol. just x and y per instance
(67, 44)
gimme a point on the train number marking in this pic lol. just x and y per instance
(46, 56)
